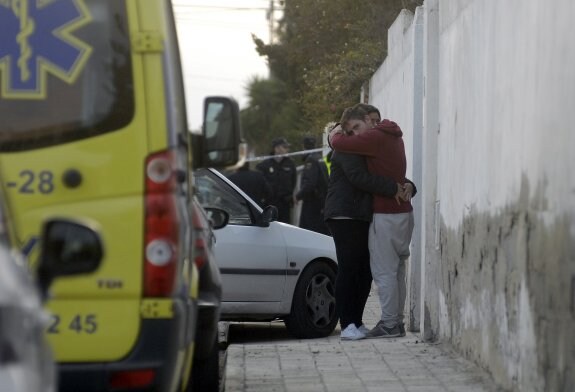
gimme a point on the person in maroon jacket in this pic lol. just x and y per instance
(392, 225)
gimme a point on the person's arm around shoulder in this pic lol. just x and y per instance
(363, 143)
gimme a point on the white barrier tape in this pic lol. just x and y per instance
(289, 154)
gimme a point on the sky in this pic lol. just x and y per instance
(217, 51)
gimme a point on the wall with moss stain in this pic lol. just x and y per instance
(497, 191)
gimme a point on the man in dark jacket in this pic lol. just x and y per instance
(313, 189)
(280, 172)
(253, 183)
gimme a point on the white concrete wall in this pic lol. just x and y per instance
(391, 87)
(429, 217)
(507, 83)
(396, 89)
(497, 214)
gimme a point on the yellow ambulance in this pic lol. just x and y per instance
(93, 127)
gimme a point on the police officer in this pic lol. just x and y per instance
(253, 183)
(313, 189)
(280, 172)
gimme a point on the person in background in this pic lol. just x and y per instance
(280, 173)
(392, 225)
(253, 183)
(313, 189)
(327, 161)
(327, 156)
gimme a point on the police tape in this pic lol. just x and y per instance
(289, 154)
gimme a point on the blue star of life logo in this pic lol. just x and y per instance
(36, 39)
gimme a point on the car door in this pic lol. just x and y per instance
(252, 259)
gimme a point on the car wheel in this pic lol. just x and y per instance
(205, 371)
(313, 304)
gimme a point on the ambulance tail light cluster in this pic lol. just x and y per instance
(162, 221)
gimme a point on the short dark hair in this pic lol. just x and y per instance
(280, 141)
(356, 112)
(371, 109)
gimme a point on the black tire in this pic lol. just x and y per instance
(313, 306)
(205, 371)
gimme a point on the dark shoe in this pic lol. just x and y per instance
(401, 329)
(381, 331)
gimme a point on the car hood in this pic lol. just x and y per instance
(306, 245)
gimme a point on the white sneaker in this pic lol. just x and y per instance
(351, 333)
(363, 329)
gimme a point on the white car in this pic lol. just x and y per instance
(270, 270)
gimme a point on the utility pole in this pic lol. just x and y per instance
(271, 18)
(275, 5)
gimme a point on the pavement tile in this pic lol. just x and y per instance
(345, 386)
(302, 388)
(428, 388)
(369, 377)
(384, 387)
(264, 388)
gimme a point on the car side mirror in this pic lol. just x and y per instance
(68, 248)
(269, 214)
(218, 218)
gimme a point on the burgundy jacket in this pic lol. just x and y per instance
(385, 152)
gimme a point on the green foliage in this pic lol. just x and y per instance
(270, 113)
(327, 50)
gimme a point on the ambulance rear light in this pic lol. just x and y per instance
(161, 173)
(162, 225)
(158, 170)
(159, 252)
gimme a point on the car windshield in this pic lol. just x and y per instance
(212, 191)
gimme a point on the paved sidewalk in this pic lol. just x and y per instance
(262, 357)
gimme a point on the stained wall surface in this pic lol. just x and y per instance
(486, 97)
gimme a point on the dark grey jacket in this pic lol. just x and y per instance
(350, 188)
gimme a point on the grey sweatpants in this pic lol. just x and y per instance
(389, 238)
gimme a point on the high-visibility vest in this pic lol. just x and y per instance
(327, 162)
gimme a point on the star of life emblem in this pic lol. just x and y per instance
(36, 40)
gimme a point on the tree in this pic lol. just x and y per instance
(270, 113)
(327, 50)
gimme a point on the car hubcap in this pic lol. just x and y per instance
(320, 300)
